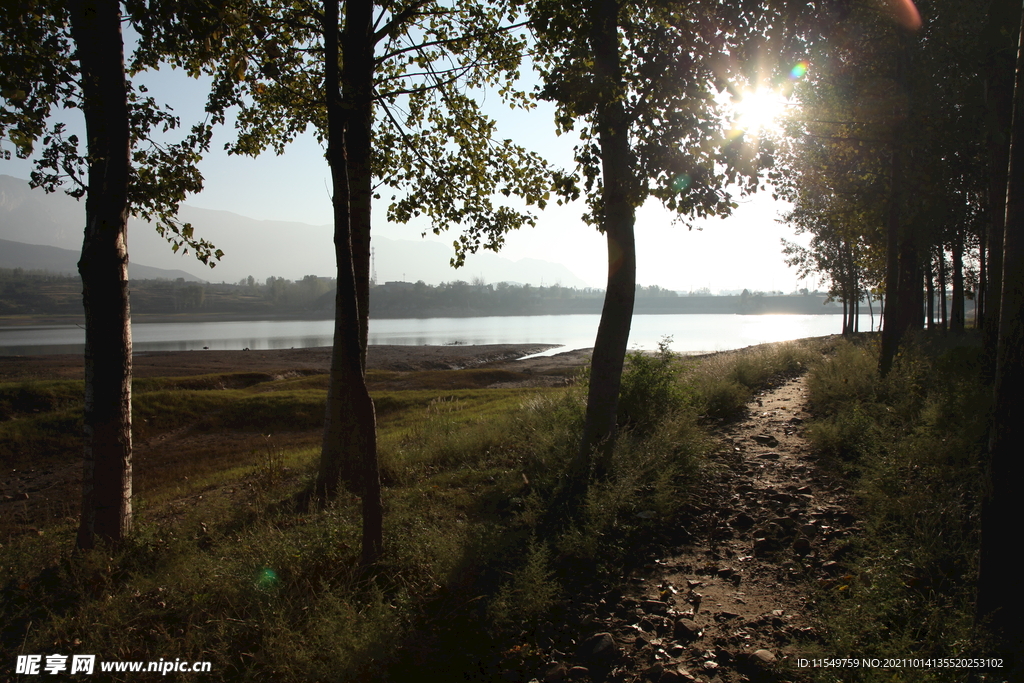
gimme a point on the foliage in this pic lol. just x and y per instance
(479, 559)
(672, 57)
(650, 390)
(39, 76)
(857, 110)
(913, 458)
(431, 61)
(719, 387)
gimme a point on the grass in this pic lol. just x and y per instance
(910, 446)
(479, 564)
(721, 385)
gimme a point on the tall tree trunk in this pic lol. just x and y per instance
(900, 248)
(350, 426)
(107, 478)
(943, 303)
(359, 58)
(1002, 514)
(998, 68)
(956, 319)
(854, 291)
(896, 304)
(930, 285)
(980, 302)
(617, 221)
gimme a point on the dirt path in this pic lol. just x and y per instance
(731, 603)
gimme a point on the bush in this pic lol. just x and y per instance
(917, 436)
(650, 391)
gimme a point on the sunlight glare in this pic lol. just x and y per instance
(759, 110)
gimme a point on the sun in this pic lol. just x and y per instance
(758, 111)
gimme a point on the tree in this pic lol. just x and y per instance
(887, 113)
(73, 56)
(998, 605)
(408, 121)
(998, 46)
(636, 81)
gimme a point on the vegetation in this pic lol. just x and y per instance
(222, 567)
(52, 57)
(40, 293)
(877, 95)
(911, 449)
(636, 82)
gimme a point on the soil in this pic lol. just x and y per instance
(731, 601)
(728, 600)
(49, 489)
(307, 360)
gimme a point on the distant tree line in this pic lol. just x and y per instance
(41, 293)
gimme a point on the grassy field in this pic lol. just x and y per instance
(911, 447)
(479, 565)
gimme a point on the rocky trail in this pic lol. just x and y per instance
(767, 529)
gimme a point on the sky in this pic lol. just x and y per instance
(741, 251)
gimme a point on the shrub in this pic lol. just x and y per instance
(650, 391)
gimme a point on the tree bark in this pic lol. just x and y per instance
(895, 319)
(943, 302)
(350, 439)
(930, 286)
(358, 47)
(617, 222)
(999, 604)
(107, 477)
(956, 319)
(998, 67)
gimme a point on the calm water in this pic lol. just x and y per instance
(690, 333)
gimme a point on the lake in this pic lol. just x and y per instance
(690, 333)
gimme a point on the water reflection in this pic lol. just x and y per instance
(690, 333)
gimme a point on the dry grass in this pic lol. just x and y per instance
(223, 569)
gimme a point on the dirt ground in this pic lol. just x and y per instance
(182, 363)
(730, 600)
(50, 489)
(727, 601)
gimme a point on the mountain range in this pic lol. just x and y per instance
(260, 248)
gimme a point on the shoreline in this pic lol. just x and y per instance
(15, 321)
(310, 360)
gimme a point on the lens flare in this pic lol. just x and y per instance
(266, 578)
(681, 183)
(905, 13)
(798, 71)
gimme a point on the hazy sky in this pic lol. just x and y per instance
(742, 251)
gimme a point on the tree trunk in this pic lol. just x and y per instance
(1002, 514)
(107, 477)
(617, 222)
(956, 319)
(980, 302)
(998, 67)
(358, 51)
(930, 285)
(350, 426)
(943, 303)
(895, 322)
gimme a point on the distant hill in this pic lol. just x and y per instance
(65, 262)
(259, 248)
